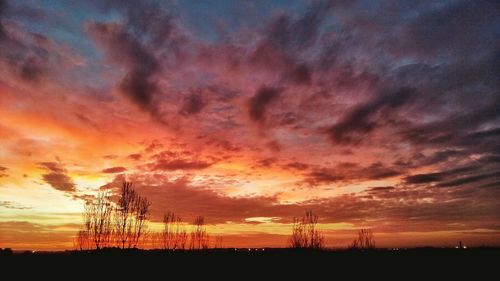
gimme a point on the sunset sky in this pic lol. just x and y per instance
(372, 114)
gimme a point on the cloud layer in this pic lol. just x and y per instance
(376, 114)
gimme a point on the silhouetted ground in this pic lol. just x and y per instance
(428, 263)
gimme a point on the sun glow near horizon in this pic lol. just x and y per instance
(252, 119)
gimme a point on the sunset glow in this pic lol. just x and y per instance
(382, 115)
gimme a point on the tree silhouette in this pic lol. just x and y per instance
(97, 223)
(130, 217)
(219, 242)
(107, 224)
(364, 241)
(199, 236)
(305, 233)
(82, 241)
(173, 235)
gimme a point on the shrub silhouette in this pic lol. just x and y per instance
(305, 234)
(364, 241)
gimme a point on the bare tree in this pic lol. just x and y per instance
(218, 243)
(130, 217)
(305, 233)
(364, 241)
(199, 235)
(123, 214)
(97, 222)
(82, 241)
(123, 224)
(174, 235)
(171, 229)
(181, 237)
(139, 220)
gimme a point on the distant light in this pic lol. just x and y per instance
(456, 247)
(465, 247)
(249, 249)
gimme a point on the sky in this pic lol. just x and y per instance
(373, 114)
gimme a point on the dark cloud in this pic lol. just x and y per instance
(301, 75)
(348, 172)
(3, 171)
(138, 84)
(53, 167)
(323, 176)
(259, 103)
(3, 10)
(147, 40)
(226, 145)
(135, 156)
(274, 146)
(469, 179)
(179, 164)
(455, 129)
(25, 53)
(296, 166)
(293, 34)
(490, 158)
(193, 103)
(360, 121)
(439, 176)
(267, 162)
(442, 156)
(287, 39)
(495, 185)
(459, 27)
(424, 178)
(378, 171)
(114, 170)
(379, 189)
(57, 177)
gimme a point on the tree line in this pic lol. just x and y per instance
(123, 223)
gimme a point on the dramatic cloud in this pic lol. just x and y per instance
(348, 172)
(144, 35)
(138, 84)
(114, 170)
(193, 104)
(359, 122)
(259, 103)
(57, 177)
(387, 203)
(433, 177)
(28, 55)
(180, 165)
(382, 115)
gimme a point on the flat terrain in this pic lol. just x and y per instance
(421, 262)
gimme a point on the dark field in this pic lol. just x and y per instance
(475, 263)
